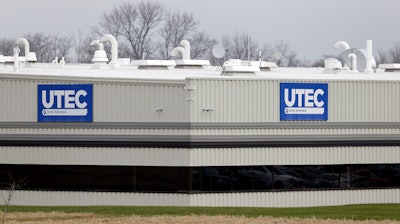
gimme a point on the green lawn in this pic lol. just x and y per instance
(356, 212)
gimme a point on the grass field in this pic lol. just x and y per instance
(350, 212)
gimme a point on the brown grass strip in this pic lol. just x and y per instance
(87, 218)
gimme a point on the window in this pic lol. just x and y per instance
(201, 179)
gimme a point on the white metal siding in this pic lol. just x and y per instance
(199, 156)
(257, 100)
(112, 102)
(294, 156)
(296, 131)
(249, 199)
(227, 100)
(95, 156)
(18, 100)
(362, 101)
(70, 198)
(139, 103)
(203, 131)
(235, 100)
(297, 198)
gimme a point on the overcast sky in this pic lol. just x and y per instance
(310, 26)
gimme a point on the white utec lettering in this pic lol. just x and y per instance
(71, 99)
(308, 96)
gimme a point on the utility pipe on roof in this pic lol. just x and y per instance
(184, 50)
(29, 56)
(25, 42)
(178, 50)
(368, 68)
(186, 45)
(97, 43)
(353, 61)
(16, 59)
(342, 44)
(114, 48)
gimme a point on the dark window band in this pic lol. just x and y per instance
(200, 179)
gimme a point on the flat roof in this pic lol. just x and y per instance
(179, 75)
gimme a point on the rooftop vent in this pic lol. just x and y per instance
(154, 64)
(186, 62)
(390, 67)
(332, 65)
(238, 66)
(365, 62)
(100, 57)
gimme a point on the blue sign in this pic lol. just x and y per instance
(304, 101)
(65, 103)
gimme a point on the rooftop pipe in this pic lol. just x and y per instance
(342, 44)
(29, 56)
(184, 50)
(114, 48)
(368, 68)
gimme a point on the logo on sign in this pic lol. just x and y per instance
(303, 101)
(65, 103)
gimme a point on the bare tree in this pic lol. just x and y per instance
(382, 57)
(134, 24)
(201, 45)
(292, 60)
(267, 52)
(41, 44)
(83, 51)
(239, 46)
(110, 23)
(177, 26)
(394, 53)
(282, 49)
(12, 186)
(47, 47)
(60, 46)
(78, 42)
(7, 46)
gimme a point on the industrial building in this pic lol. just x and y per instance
(184, 133)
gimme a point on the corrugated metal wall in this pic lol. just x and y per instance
(257, 100)
(18, 100)
(69, 198)
(113, 102)
(95, 131)
(249, 199)
(297, 198)
(208, 100)
(200, 156)
(139, 103)
(343, 132)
